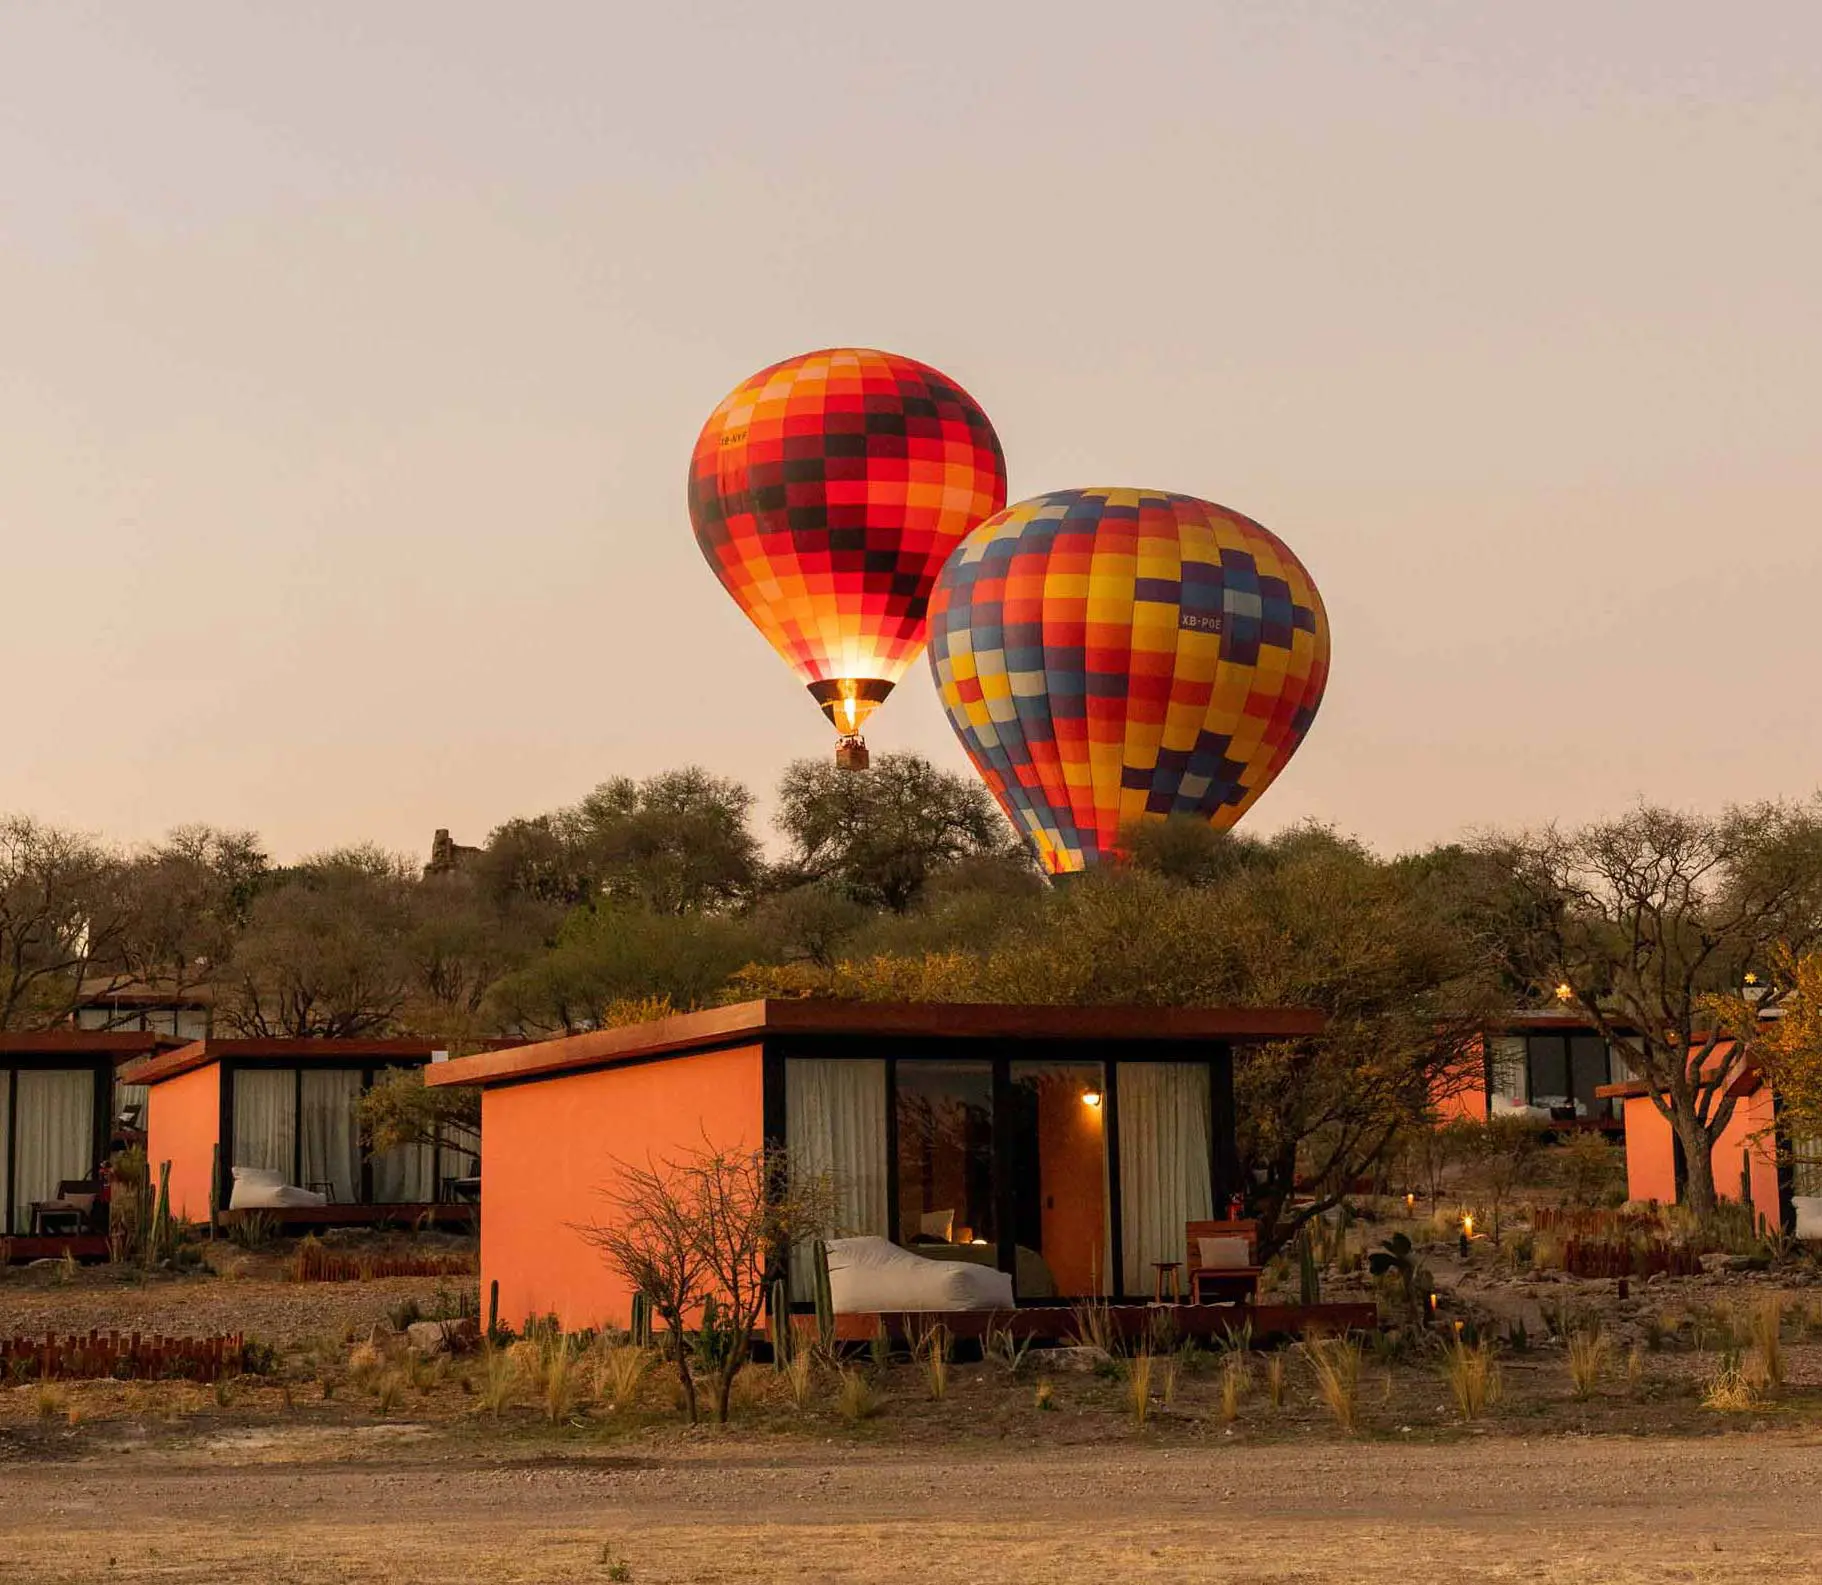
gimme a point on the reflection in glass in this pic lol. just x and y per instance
(945, 1155)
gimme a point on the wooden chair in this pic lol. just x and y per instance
(1223, 1284)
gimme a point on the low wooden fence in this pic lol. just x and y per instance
(1622, 1258)
(124, 1356)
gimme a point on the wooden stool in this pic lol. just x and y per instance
(1174, 1270)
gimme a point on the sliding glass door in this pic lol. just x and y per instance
(835, 1123)
(1058, 1167)
(53, 1135)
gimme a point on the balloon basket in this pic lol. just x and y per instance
(851, 754)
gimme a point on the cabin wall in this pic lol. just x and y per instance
(551, 1147)
(183, 1125)
(1651, 1155)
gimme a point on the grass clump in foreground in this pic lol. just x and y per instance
(1472, 1374)
(1335, 1363)
(1588, 1351)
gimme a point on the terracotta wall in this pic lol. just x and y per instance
(550, 1147)
(1071, 1147)
(183, 1118)
(1651, 1155)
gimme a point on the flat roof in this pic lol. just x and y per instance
(303, 1050)
(115, 1043)
(725, 1026)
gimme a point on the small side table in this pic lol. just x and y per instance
(1162, 1269)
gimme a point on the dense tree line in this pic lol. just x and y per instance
(906, 882)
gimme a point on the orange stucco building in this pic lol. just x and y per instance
(1066, 1146)
(286, 1107)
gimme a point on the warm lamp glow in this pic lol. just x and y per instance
(1565, 992)
(1467, 1224)
(1091, 1097)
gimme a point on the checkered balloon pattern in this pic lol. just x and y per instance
(826, 492)
(1107, 656)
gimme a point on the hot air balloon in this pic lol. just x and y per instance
(1113, 655)
(826, 492)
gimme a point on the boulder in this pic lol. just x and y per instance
(1082, 1361)
(431, 1338)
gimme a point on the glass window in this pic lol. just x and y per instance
(835, 1122)
(331, 1153)
(945, 1155)
(1507, 1060)
(1059, 1180)
(265, 1119)
(1547, 1057)
(1165, 1170)
(54, 1138)
(1588, 1070)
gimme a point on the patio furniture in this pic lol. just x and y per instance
(324, 1187)
(1223, 1262)
(1163, 1270)
(868, 1275)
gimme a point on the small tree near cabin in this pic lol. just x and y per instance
(1642, 922)
(701, 1235)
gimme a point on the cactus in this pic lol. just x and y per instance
(781, 1325)
(215, 1188)
(158, 1233)
(493, 1308)
(825, 1302)
(1309, 1279)
(642, 1321)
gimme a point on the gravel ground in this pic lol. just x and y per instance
(395, 1503)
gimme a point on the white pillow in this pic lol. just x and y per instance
(870, 1275)
(938, 1224)
(1224, 1254)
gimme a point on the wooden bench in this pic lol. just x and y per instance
(1224, 1284)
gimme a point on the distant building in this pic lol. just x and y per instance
(447, 856)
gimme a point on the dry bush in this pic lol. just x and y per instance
(365, 1361)
(1635, 1369)
(500, 1379)
(855, 1397)
(1335, 1363)
(1138, 1387)
(557, 1391)
(1044, 1397)
(390, 1389)
(933, 1348)
(1472, 1374)
(1093, 1326)
(1729, 1390)
(1588, 1352)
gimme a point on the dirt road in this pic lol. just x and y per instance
(407, 1506)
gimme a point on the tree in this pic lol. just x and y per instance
(1642, 922)
(66, 923)
(606, 957)
(399, 1108)
(1500, 1150)
(702, 1235)
(189, 899)
(458, 943)
(324, 950)
(1186, 848)
(1788, 1048)
(883, 833)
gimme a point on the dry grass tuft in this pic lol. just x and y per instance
(1274, 1379)
(1730, 1390)
(800, 1378)
(1093, 1326)
(1336, 1363)
(1473, 1377)
(499, 1379)
(390, 1389)
(1138, 1387)
(1044, 1397)
(855, 1397)
(619, 1372)
(1234, 1382)
(933, 1349)
(1588, 1352)
(557, 1391)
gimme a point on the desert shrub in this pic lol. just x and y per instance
(1234, 1382)
(1591, 1171)
(856, 1398)
(619, 1372)
(1044, 1398)
(1765, 1325)
(500, 1378)
(799, 1377)
(933, 1348)
(1472, 1374)
(1138, 1387)
(1729, 1389)
(1092, 1326)
(1274, 1379)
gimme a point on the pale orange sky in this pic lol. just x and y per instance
(351, 356)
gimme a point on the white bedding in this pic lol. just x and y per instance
(265, 1189)
(874, 1274)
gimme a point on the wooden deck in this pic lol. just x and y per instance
(305, 1218)
(78, 1246)
(1131, 1322)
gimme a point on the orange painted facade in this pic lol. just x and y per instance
(551, 1148)
(183, 1124)
(1072, 1148)
(1740, 1158)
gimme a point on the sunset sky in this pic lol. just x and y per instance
(351, 357)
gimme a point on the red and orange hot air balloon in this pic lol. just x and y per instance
(826, 492)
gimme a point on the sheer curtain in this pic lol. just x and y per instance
(265, 1119)
(332, 1153)
(1164, 1163)
(6, 1134)
(835, 1122)
(54, 1138)
(405, 1175)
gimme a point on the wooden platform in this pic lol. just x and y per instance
(78, 1246)
(1132, 1322)
(303, 1218)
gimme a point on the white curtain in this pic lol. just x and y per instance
(1164, 1163)
(332, 1152)
(835, 1122)
(54, 1138)
(405, 1176)
(6, 1134)
(265, 1119)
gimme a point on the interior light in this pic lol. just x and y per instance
(1091, 1097)
(1565, 992)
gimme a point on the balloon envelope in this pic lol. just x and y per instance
(1112, 655)
(826, 492)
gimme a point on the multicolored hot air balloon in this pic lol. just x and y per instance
(1108, 655)
(826, 492)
